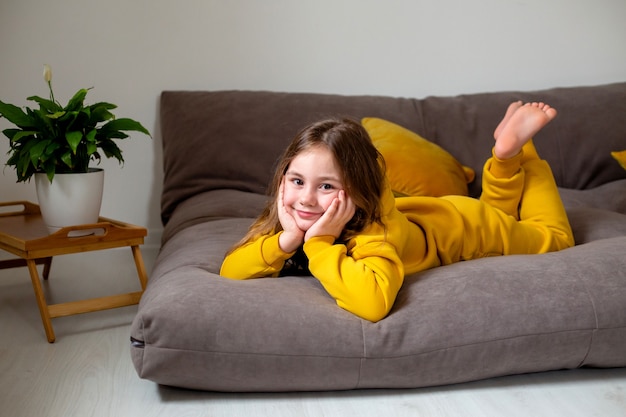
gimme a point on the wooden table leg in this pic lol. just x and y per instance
(141, 269)
(47, 264)
(41, 300)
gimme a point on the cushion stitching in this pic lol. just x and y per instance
(487, 341)
(595, 315)
(363, 357)
(383, 357)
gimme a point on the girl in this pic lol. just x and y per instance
(334, 216)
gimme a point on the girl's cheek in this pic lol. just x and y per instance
(288, 197)
(329, 200)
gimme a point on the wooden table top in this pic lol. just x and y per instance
(24, 231)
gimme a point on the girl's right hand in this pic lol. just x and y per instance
(292, 236)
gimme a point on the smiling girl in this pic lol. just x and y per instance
(334, 216)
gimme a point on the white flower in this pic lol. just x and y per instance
(47, 73)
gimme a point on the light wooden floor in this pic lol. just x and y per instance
(88, 371)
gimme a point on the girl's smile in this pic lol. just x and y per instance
(307, 215)
(312, 182)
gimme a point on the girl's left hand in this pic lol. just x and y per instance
(332, 222)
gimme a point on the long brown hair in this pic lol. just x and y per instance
(361, 165)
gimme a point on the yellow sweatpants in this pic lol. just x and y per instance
(522, 212)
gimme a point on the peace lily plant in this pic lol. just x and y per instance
(56, 139)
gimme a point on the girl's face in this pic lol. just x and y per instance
(312, 182)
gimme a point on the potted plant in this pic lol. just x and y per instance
(55, 142)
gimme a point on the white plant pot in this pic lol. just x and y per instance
(71, 199)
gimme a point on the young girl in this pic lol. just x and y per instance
(334, 216)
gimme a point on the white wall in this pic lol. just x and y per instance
(131, 50)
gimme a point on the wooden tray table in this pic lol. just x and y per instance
(24, 234)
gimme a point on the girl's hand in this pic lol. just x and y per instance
(292, 237)
(332, 222)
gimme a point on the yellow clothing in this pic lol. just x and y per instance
(519, 214)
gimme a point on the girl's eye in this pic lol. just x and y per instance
(297, 181)
(326, 187)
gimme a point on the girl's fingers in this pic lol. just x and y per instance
(345, 207)
(340, 211)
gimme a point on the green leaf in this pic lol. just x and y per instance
(22, 161)
(37, 151)
(96, 157)
(101, 113)
(68, 116)
(123, 124)
(47, 105)
(22, 168)
(50, 149)
(50, 168)
(103, 104)
(111, 135)
(13, 159)
(112, 150)
(56, 115)
(76, 102)
(73, 139)
(10, 133)
(15, 115)
(91, 148)
(22, 134)
(67, 159)
(91, 136)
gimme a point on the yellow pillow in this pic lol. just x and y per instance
(621, 157)
(416, 166)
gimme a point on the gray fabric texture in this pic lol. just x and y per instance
(463, 322)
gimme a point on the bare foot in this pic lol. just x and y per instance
(520, 127)
(509, 112)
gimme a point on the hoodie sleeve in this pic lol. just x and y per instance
(261, 258)
(364, 280)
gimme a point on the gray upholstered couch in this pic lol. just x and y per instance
(468, 321)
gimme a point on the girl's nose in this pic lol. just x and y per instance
(307, 197)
